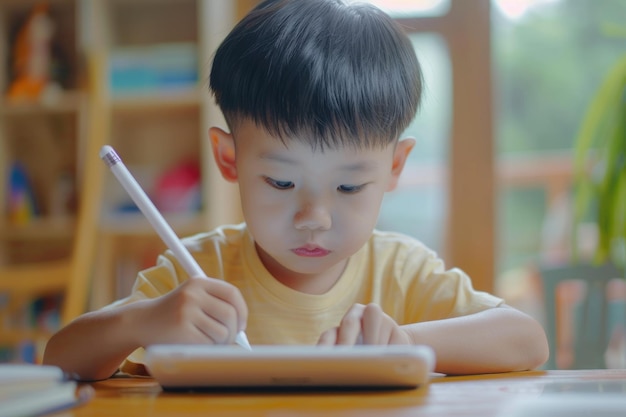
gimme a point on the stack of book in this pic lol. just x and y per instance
(33, 390)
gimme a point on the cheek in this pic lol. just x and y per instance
(370, 201)
(362, 211)
(261, 206)
(259, 196)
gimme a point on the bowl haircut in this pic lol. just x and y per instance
(326, 72)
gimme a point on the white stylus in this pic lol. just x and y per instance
(114, 162)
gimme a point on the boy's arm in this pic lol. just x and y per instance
(94, 345)
(200, 310)
(499, 339)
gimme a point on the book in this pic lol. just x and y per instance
(34, 390)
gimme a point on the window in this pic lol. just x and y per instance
(550, 57)
(507, 83)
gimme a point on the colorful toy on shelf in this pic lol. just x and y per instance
(31, 59)
(21, 200)
(178, 190)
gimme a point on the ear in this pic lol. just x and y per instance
(223, 145)
(400, 154)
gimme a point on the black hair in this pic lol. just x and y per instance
(326, 72)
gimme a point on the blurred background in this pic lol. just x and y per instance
(492, 184)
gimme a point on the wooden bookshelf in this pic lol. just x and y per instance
(159, 128)
(155, 128)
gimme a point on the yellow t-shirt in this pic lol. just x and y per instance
(395, 271)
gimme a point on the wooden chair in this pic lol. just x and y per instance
(588, 311)
(68, 277)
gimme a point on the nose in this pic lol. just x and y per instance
(312, 217)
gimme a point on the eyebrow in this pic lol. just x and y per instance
(278, 158)
(357, 166)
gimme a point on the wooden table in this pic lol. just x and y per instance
(480, 395)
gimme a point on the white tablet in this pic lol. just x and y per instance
(193, 367)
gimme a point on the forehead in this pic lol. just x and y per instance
(252, 139)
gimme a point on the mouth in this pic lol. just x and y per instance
(311, 251)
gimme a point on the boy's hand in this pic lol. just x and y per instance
(366, 324)
(200, 310)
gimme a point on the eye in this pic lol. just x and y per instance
(350, 189)
(279, 185)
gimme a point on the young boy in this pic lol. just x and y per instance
(315, 94)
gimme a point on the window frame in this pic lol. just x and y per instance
(471, 216)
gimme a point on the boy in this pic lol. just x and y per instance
(315, 94)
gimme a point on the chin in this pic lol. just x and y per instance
(310, 266)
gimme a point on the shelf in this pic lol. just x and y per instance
(66, 103)
(28, 279)
(165, 100)
(40, 229)
(46, 136)
(16, 336)
(148, 22)
(135, 224)
(8, 4)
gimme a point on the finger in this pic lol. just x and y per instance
(399, 337)
(386, 330)
(210, 313)
(350, 327)
(205, 316)
(328, 338)
(209, 330)
(220, 320)
(194, 326)
(371, 325)
(231, 295)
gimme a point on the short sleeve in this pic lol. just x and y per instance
(434, 292)
(150, 283)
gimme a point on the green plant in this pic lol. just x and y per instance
(600, 167)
